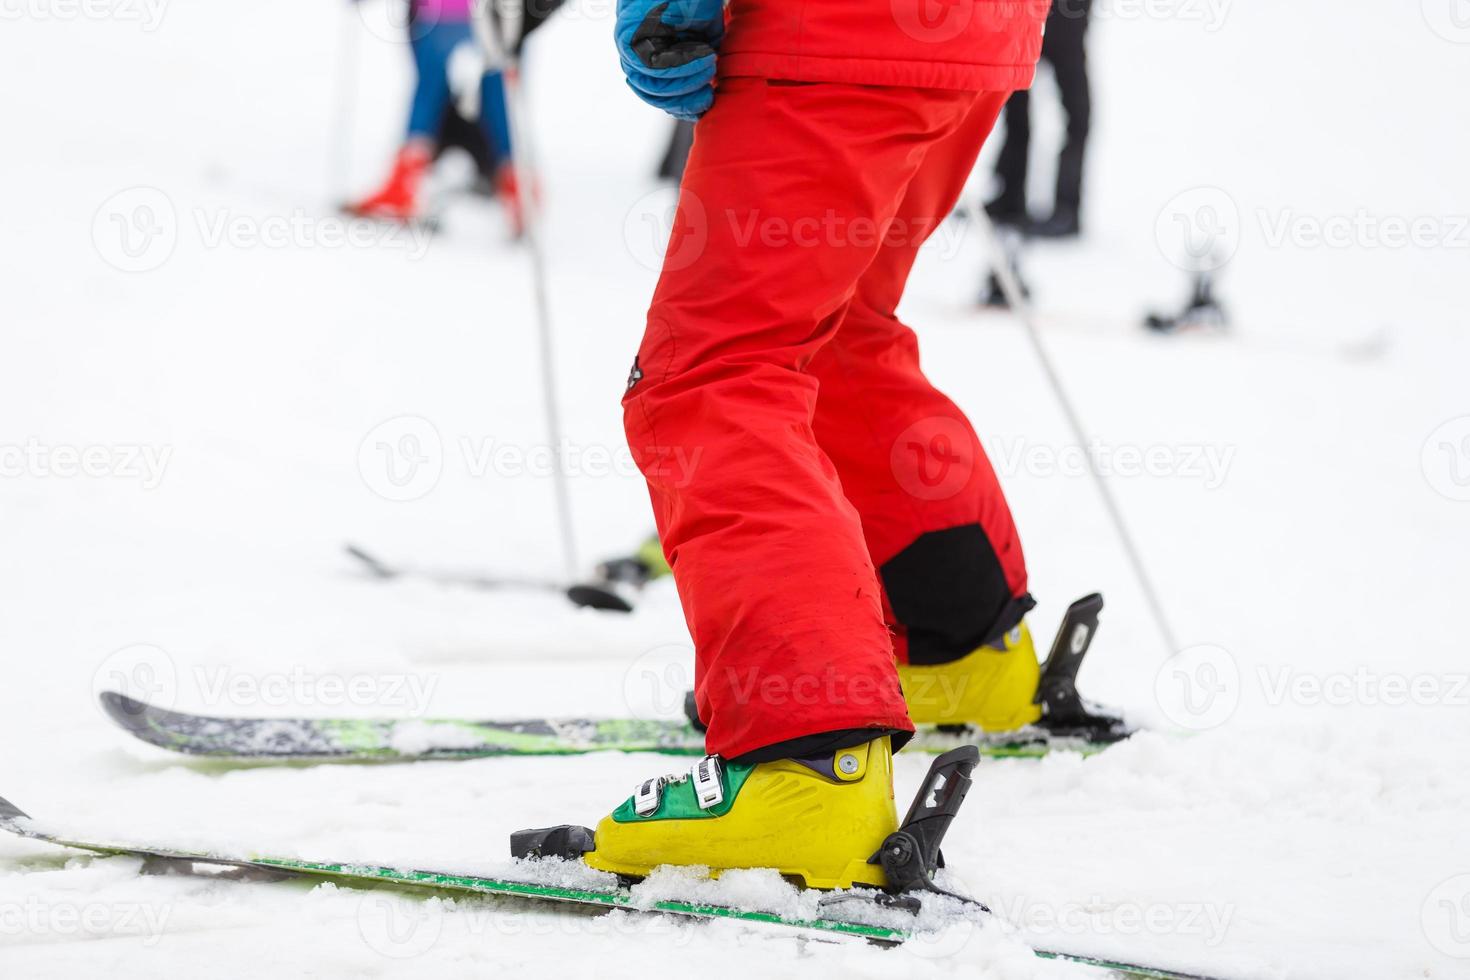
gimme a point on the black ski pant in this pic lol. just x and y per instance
(1064, 49)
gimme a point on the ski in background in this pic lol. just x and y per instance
(614, 586)
(1012, 242)
(1068, 723)
(377, 568)
(546, 870)
(1201, 312)
(618, 581)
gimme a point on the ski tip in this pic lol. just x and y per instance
(370, 562)
(9, 811)
(127, 712)
(593, 596)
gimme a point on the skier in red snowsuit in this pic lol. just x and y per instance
(824, 508)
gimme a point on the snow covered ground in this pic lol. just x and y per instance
(198, 378)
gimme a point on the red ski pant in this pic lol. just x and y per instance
(794, 450)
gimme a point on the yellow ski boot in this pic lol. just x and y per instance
(820, 820)
(828, 821)
(992, 688)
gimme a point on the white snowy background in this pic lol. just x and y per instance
(197, 376)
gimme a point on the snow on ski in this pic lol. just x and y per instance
(407, 740)
(858, 915)
(1068, 722)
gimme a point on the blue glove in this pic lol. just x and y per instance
(667, 48)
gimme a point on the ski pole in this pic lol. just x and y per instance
(339, 156)
(1021, 306)
(499, 24)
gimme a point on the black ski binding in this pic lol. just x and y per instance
(567, 841)
(910, 855)
(1011, 242)
(1064, 712)
(1202, 311)
(615, 587)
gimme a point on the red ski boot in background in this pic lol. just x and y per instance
(517, 192)
(398, 199)
(508, 192)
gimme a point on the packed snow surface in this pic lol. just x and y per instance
(208, 384)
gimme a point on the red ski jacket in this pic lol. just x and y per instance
(977, 45)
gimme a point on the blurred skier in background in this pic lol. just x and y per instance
(438, 31)
(1064, 47)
